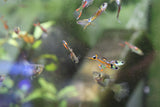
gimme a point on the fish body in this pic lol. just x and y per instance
(117, 62)
(37, 69)
(87, 22)
(85, 3)
(134, 48)
(118, 2)
(104, 63)
(73, 57)
(120, 90)
(101, 78)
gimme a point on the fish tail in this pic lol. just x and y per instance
(120, 91)
(78, 13)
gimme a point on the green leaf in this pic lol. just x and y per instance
(63, 103)
(38, 32)
(37, 44)
(51, 67)
(8, 82)
(47, 86)
(14, 35)
(69, 91)
(34, 95)
(49, 96)
(2, 41)
(42, 82)
(50, 56)
(3, 90)
(13, 42)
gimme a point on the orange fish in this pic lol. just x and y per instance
(133, 48)
(72, 54)
(87, 22)
(85, 3)
(104, 63)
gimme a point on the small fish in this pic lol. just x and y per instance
(37, 69)
(120, 90)
(2, 77)
(117, 62)
(72, 54)
(104, 63)
(41, 27)
(133, 48)
(118, 2)
(119, 8)
(87, 22)
(4, 23)
(85, 3)
(100, 78)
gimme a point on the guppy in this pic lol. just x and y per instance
(87, 22)
(104, 63)
(85, 3)
(72, 54)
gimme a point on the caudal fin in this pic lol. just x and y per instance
(120, 91)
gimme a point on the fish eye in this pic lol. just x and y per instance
(94, 57)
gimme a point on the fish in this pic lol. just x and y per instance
(37, 69)
(117, 62)
(100, 77)
(87, 22)
(133, 48)
(4, 23)
(2, 77)
(78, 11)
(121, 90)
(41, 27)
(104, 63)
(73, 57)
(118, 2)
